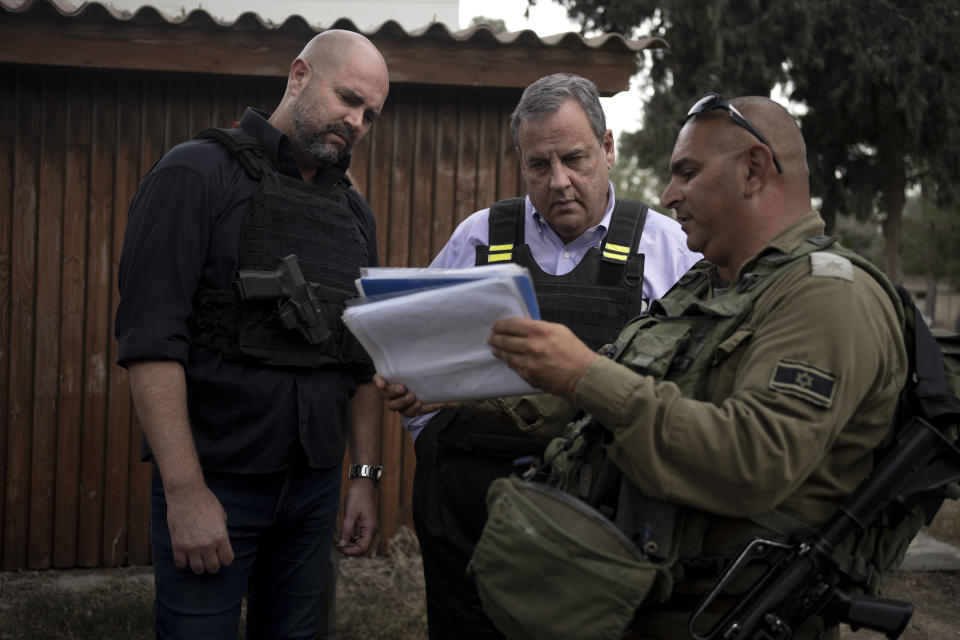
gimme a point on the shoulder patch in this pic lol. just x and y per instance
(804, 381)
(830, 265)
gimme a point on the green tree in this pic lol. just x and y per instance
(630, 180)
(931, 238)
(931, 245)
(498, 25)
(879, 79)
(881, 93)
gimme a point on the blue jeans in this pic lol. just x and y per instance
(281, 527)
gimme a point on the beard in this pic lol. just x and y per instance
(311, 139)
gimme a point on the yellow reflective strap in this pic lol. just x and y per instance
(617, 247)
(501, 247)
(498, 257)
(615, 256)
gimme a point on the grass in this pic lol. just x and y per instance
(383, 597)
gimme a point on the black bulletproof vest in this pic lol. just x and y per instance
(314, 222)
(595, 300)
(601, 293)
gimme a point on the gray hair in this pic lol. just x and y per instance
(546, 95)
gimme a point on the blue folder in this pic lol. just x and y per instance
(387, 287)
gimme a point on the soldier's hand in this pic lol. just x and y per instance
(545, 354)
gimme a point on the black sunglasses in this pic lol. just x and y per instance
(714, 101)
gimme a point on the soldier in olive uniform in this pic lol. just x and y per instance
(780, 422)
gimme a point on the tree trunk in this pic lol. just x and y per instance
(891, 236)
(930, 307)
(829, 220)
(894, 171)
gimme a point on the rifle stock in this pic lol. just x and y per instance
(880, 614)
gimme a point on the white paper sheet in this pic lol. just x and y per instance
(434, 341)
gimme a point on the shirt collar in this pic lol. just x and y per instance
(807, 226)
(593, 234)
(254, 122)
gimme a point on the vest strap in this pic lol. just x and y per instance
(506, 231)
(618, 253)
(246, 148)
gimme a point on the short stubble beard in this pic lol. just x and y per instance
(311, 140)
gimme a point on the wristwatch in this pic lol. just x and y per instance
(366, 471)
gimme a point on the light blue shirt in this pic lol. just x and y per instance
(663, 242)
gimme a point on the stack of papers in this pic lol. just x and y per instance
(427, 329)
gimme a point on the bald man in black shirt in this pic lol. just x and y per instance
(247, 405)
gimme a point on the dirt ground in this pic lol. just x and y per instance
(380, 597)
(936, 600)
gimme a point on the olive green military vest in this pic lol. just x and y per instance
(681, 338)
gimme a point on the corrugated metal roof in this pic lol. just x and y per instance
(479, 34)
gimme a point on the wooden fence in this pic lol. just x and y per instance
(74, 144)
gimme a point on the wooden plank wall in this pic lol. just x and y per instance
(74, 144)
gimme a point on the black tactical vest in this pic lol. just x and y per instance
(287, 216)
(594, 300)
(601, 293)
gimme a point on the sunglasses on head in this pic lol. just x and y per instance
(714, 101)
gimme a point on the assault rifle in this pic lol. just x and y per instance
(799, 582)
(299, 306)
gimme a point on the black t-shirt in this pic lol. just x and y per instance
(183, 234)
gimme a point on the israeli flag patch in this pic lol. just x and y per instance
(830, 265)
(804, 381)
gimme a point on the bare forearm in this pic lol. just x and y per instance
(360, 521)
(363, 435)
(159, 393)
(195, 518)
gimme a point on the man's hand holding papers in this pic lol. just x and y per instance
(545, 354)
(398, 399)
